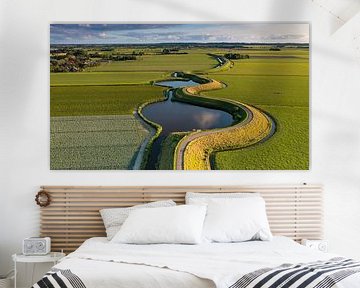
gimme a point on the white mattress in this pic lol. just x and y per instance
(102, 264)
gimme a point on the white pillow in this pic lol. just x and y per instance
(113, 218)
(236, 220)
(204, 198)
(172, 225)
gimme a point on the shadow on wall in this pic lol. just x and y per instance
(275, 10)
(340, 12)
(182, 7)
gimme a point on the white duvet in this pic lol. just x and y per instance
(100, 263)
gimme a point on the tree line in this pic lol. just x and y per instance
(76, 60)
(235, 56)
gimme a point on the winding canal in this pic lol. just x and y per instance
(176, 116)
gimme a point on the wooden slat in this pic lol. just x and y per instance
(73, 216)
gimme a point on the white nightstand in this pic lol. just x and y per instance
(320, 245)
(53, 257)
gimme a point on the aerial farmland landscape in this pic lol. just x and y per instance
(230, 96)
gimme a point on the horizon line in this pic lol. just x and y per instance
(159, 43)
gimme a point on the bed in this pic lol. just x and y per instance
(294, 211)
(99, 263)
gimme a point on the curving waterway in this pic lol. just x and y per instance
(176, 116)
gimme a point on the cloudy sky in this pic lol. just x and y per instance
(167, 33)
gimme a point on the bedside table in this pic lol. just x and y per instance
(320, 245)
(52, 257)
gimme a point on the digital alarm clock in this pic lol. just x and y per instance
(36, 246)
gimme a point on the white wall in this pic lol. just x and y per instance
(24, 109)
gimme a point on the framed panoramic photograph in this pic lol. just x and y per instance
(184, 96)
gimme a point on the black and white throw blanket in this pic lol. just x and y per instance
(320, 274)
(59, 278)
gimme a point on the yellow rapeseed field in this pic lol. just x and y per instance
(212, 85)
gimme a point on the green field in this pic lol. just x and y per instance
(162, 63)
(279, 87)
(264, 90)
(270, 67)
(258, 51)
(103, 78)
(95, 142)
(287, 149)
(100, 100)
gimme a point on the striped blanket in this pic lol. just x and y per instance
(59, 278)
(320, 274)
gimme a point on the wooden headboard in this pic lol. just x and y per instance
(73, 215)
